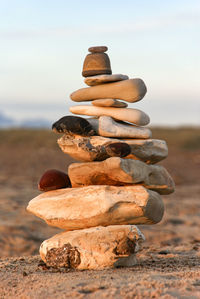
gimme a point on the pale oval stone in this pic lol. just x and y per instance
(71, 209)
(100, 79)
(93, 248)
(106, 126)
(134, 116)
(97, 148)
(119, 172)
(131, 90)
(109, 103)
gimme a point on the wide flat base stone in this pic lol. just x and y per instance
(72, 209)
(94, 248)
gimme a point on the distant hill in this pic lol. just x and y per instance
(9, 122)
(6, 121)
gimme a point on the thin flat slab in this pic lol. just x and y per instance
(100, 79)
(106, 126)
(109, 103)
(73, 209)
(134, 116)
(131, 90)
(121, 172)
(98, 148)
(93, 248)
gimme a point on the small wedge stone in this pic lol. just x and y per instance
(100, 79)
(72, 209)
(134, 116)
(93, 248)
(98, 148)
(131, 90)
(106, 126)
(120, 172)
(109, 103)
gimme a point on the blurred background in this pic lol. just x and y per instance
(42, 48)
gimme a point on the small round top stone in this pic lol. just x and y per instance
(99, 49)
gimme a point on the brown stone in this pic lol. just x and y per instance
(98, 49)
(53, 179)
(96, 64)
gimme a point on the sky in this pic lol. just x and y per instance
(43, 45)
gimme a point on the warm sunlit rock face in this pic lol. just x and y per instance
(93, 248)
(91, 206)
(118, 172)
(116, 186)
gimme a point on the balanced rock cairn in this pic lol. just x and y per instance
(117, 183)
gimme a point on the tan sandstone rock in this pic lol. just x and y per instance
(97, 148)
(109, 103)
(100, 79)
(134, 116)
(120, 172)
(131, 90)
(92, 206)
(106, 126)
(93, 248)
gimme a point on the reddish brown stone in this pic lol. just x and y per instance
(98, 49)
(96, 64)
(54, 179)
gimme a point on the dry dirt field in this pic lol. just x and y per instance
(168, 266)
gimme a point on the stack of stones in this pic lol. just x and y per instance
(117, 184)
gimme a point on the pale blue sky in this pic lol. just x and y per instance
(43, 45)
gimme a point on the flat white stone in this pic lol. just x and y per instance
(109, 103)
(72, 209)
(120, 172)
(131, 90)
(93, 248)
(106, 126)
(134, 116)
(99, 79)
(96, 148)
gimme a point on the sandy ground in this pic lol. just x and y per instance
(168, 266)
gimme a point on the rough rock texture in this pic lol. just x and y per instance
(120, 172)
(134, 116)
(95, 80)
(131, 90)
(106, 126)
(71, 209)
(93, 248)
(73, 125)
(109, 103)
(99, 148)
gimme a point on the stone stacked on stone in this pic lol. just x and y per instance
(114, 186)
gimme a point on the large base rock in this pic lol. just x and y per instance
(92, 206)
(94, 248)
(120, 172)
(97, 148)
